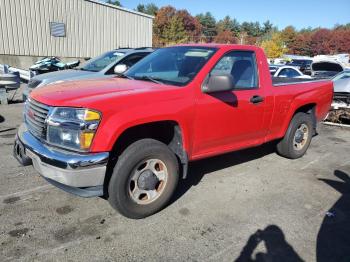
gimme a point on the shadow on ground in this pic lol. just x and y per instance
(277, 248)
(15, 101)
(2, 119)
(333, 240)
(198, 169)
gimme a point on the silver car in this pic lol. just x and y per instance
(342, 87)
(102, 66)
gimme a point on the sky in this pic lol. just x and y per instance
(299, 13)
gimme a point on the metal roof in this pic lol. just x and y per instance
(120, 8)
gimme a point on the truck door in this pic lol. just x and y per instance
(231, 119)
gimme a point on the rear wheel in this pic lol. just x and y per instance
(298, 136)
(144, 179)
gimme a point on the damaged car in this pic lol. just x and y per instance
(342, 87)
(107, 65)
(340, 112)
(324, 69)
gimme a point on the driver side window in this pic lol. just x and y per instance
(242, 66)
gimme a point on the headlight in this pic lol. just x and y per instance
(72, 128)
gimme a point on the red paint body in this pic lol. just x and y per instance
(211, 124)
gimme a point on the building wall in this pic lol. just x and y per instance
(91, 28)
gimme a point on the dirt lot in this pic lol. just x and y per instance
(249, 204)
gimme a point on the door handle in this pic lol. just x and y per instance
(256, 99)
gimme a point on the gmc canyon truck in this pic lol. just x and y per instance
(130, 138)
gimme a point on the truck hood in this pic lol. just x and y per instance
(63, 75)
(85, 93)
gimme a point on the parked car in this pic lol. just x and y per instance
(289, 72)
(326, 69)
(342, 87)
(99, 67)
(304, 65)
(273, 69)
(130, 139)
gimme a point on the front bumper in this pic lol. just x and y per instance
(72, 172)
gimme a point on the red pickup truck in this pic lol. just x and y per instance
(130, 138)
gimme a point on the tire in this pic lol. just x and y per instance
(122, 183)
(288, 147)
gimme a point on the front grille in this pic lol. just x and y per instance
(33, 83)
(35, 115)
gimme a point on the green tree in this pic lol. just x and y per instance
(114, 2)
(175, 32)
(252, 28)
(150, 9)
(208, 24)
(228, 24)
(267, 27)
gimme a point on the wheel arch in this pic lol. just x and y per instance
(308, 108)
(168, 132)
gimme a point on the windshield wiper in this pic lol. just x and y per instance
(149, 78)
(83, 69)
(125, 76)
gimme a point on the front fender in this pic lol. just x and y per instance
(114, 124)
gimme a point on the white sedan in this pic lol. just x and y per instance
(290, 72)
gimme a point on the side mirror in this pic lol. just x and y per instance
(120, 69)
(218, 83)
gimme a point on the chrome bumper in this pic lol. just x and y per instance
(66, 168)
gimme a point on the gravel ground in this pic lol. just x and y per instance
(251, 204)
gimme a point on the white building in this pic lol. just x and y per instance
(30, 29)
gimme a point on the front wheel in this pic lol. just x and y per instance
(298, 136)
(144, 179)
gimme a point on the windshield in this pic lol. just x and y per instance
(300, 62)
(342, 75)
(99, 63)
(173, 65)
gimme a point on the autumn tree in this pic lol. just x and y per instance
(320, 41)
(161, 25)
(340, 41)
(274, 47)
(191, 25)
(302, 44)
(288, 36)
(179, 26)
(175, 26)
(225, 37)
